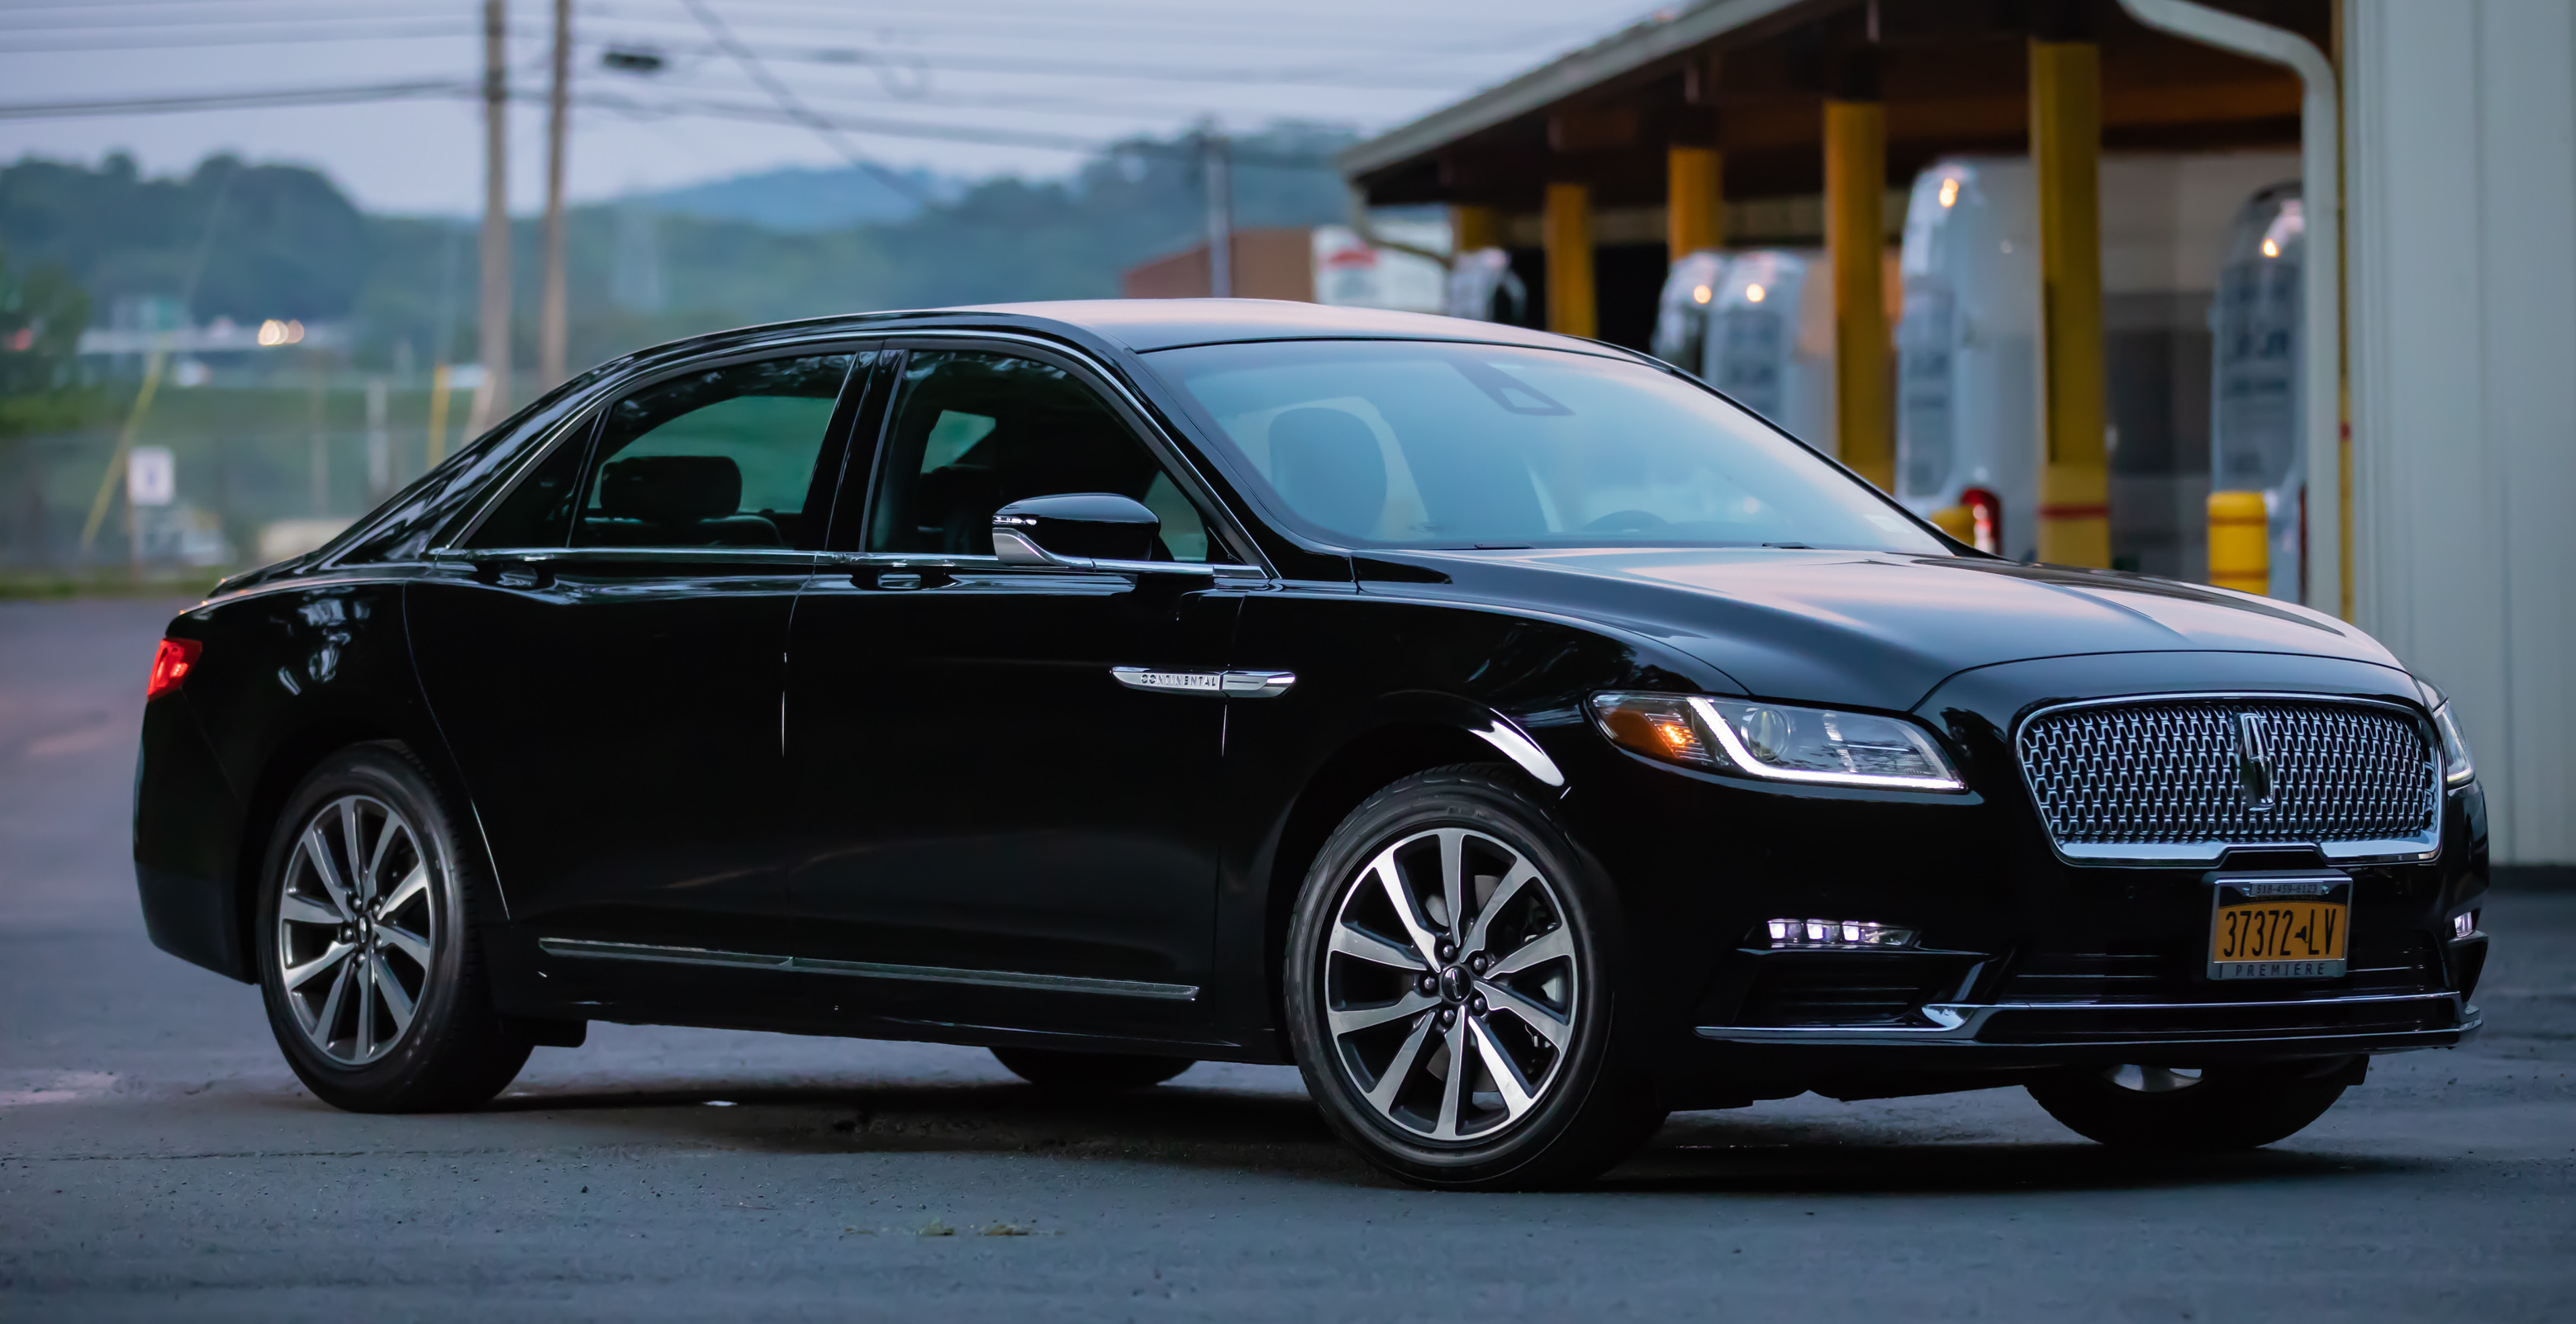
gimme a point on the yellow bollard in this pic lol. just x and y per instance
(2240, 542)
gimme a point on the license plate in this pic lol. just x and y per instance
(2279, 928)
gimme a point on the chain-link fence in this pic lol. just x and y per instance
(252, 473)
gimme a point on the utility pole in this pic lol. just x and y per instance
(1220, 213)
(442, 352)
(552, 314)
(492, 396)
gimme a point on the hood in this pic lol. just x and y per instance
(1876, 630)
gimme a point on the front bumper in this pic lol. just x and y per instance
(1971, 1034)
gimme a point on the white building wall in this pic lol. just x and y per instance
(2461, 216)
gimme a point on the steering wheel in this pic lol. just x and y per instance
(1626, 521)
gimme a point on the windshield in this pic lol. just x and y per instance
(1424, 444)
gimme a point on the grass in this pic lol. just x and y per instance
(107, 582)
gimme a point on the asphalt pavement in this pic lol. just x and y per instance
(157, 1159)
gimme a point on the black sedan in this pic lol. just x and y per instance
(1516, 735)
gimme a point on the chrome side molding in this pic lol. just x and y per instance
(1213, 684)
(587, 949)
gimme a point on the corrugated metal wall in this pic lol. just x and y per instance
(2461, 117)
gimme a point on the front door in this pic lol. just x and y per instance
(996, 829)
(607, 665)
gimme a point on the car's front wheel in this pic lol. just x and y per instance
(374, 983)
(2178, 1109)
(1451, 990)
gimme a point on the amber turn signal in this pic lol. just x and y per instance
(1659, 726)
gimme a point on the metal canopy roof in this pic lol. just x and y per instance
(1753, 74)
(1658, 38)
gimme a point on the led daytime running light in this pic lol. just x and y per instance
(1716, 724)
(1837, 933)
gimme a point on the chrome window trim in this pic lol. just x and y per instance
(597, 555)
(590, 412)
(1159, 436)
(2158, 855)
(994, 565)
(588, 949)
(1961, 1023)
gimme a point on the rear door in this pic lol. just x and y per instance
(607, 660)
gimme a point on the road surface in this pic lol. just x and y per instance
(157, 1160)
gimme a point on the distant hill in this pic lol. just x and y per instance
(764, 247)
(803, 201)
(262, 240)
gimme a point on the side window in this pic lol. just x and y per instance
(973, 432)
(719, 458)
(538, 512)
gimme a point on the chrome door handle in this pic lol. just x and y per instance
(1212, 684)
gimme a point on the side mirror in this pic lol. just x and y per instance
(1075, 529)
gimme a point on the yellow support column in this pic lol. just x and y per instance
(2240, 542)
(1472, 227)
(2066, 153)
(1855, 235)
(1571, 309)
(1694, 200)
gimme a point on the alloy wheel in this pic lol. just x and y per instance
(1450, 985)
(357, 924)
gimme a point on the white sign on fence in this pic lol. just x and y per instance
(151, 476)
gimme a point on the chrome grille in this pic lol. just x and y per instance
(2169, 772)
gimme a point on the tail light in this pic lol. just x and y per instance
(1986, 518)
(171, 665)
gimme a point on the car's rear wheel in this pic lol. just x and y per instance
(1451, 990)
(369, 966)
(1090, 1073)
(2203, 1110)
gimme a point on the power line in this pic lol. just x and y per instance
(1308, 76)
(796, 109)
(299, 96)
(803, 115)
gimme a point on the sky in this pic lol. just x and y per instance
(965, 87)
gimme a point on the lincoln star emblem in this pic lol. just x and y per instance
(2254, 768)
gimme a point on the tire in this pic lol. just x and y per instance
(1376, 1021)
(2217, 1110)
(396, 927)
(1090, 1073)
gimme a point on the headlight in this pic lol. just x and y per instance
(2457, 768)
(1776, 741)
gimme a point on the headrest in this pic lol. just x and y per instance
(1328, 468)
(670, 489)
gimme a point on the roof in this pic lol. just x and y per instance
(1149, 324)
